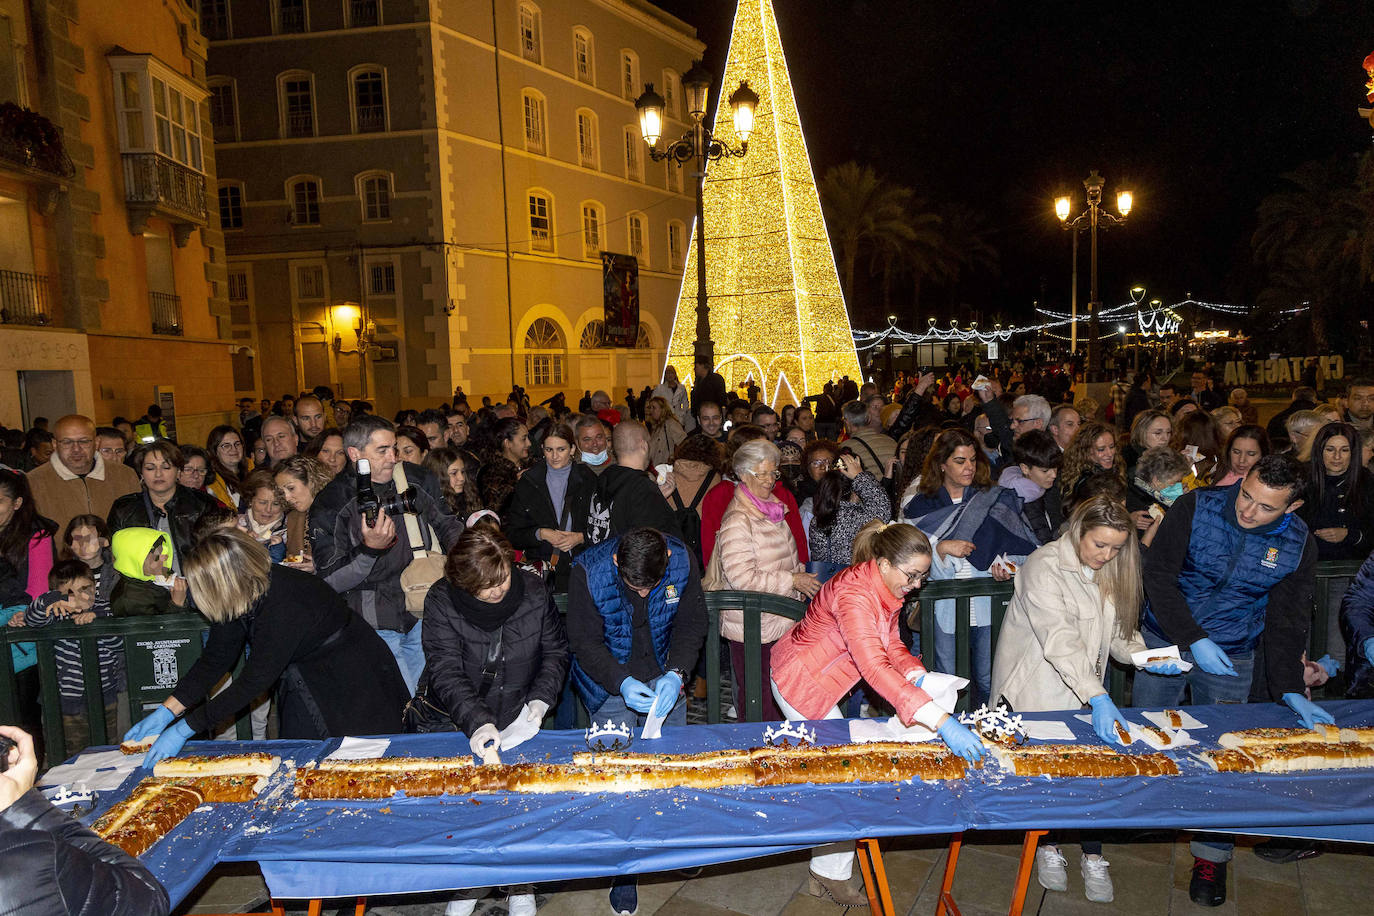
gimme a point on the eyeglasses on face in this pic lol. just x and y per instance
(770, 475)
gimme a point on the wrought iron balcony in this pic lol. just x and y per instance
(26, 298)
(300, 124)
(154, 184)
(371, 119)
(166, 311)
(362, 13)
(32, 143)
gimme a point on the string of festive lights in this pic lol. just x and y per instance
(777, 313)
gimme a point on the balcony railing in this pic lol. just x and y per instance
(371, 119)
(291, 19)
(31, 141)
(154, 182)
(166, 310)
(300, 124)
(362, 13)
(26, 298)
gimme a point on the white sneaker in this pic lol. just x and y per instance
(1097, 884)
(460, 908)
(520, 904)
(1050, 868)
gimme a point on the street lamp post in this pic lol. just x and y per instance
(1090, 219)
(698, 145)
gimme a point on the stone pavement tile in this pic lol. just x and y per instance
(228, 888)
(678, 905)
(589, 898)
(1340, 881)
(1268, 898)
(1139, 886)
(755, 887)
(803, 904)
(983, 880)
(1250, 867)
(1179, 903)
(1153, 850)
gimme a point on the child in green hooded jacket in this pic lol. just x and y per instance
(143, 558)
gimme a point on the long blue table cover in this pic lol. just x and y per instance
(323, 848)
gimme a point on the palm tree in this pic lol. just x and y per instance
(905, 244)
(860, 208)
(968, 251)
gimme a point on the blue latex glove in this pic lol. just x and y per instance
(151, 724)
(666, 692)
(1310, 713)
(1330, 664)
(961, 741)
(1105, 717)
(1163, 668)
(636, 695)
(1211, 659)
(1369, 650)
(169, 744)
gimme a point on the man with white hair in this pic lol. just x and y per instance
(76, 480)
(1028, 412)
(280, 437)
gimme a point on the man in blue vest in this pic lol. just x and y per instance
(636, 624)
(1229, 580)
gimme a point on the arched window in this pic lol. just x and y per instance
(544, 355)
(296, 103)
(634, 159)
(368, 98)
(677, 244)
(642, 341)
(587, 144)
(629, 74)
(374, 191)
(303, 195)
(635, 226)
(593, 335)
(593, 229)
(224, 119)
(672, 91)
(584, 56)
(536, 120)
(530, 27)
(230, 205)
(541, 221)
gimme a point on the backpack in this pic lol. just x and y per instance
(688, 522)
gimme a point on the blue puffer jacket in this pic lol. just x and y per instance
(1357, 628)
(1229, 571)
(607, 590)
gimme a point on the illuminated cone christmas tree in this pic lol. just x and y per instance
(777, 314)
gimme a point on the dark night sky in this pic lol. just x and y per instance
(1198, 106)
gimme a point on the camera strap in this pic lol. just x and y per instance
(413, 536)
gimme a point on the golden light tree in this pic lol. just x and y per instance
(777, 313)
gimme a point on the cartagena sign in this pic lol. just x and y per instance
(1280, 371)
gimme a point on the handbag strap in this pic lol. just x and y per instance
(417, 544)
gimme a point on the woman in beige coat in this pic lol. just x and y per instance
(1077, 602)
(755, 552)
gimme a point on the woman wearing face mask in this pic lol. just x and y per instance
(1243, 448)
(1076, 604)
(163, 503)
(850, 632)
(547, 512)
(1157, 483)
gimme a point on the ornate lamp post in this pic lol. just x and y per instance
(1090, 219)
(697, 146)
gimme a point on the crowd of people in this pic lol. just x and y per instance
(427, 550)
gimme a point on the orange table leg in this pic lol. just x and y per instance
(360, 907)
(1018, 899)
(875, 878)
(946, 901)
(315, 908)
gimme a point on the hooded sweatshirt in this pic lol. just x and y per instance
(139, 594)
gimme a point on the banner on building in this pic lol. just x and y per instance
(620, 286)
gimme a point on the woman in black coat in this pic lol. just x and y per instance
(547, 512)
(333, 674)
(158, 465)
(495, 648)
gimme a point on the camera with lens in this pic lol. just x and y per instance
(394, 505)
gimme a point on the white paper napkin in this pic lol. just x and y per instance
(96, 770)
(1139, 659)
(1047, 730)
(360, 749)
(866, 731)
(653, 727)
(943, 689)
(1186, 721)
(1177, 738)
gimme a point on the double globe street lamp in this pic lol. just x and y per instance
(697, 146)
(1089, 220)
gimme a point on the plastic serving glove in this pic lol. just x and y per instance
(960, 740)
(1329, 664)
(484, 742)
(1105, 717)
(151, 724)
(1163, 668)
(1211, 659)
(1369, 650)
(1310, 713)
(168, 744)
(666, 692)
(636, 695)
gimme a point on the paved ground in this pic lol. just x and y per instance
(1151, 877)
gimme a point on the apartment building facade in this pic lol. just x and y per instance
(415, 195)
(112, 279)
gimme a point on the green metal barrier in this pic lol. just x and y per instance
(962, 591)
(753, 605)
(157, 652)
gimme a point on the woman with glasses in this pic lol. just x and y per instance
(1076, 605)
(850, 633)
(196, 470)
(755, 551)
(229, 464)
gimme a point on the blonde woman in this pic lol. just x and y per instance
(304, 642)
(1076, 604)
(665, 432)
(299, 480)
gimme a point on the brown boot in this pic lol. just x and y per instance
(845, 893)
(699, 688)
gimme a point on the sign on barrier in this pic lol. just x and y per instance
(155, 665)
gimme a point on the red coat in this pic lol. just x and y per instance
(717, 500)
(849, 632)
